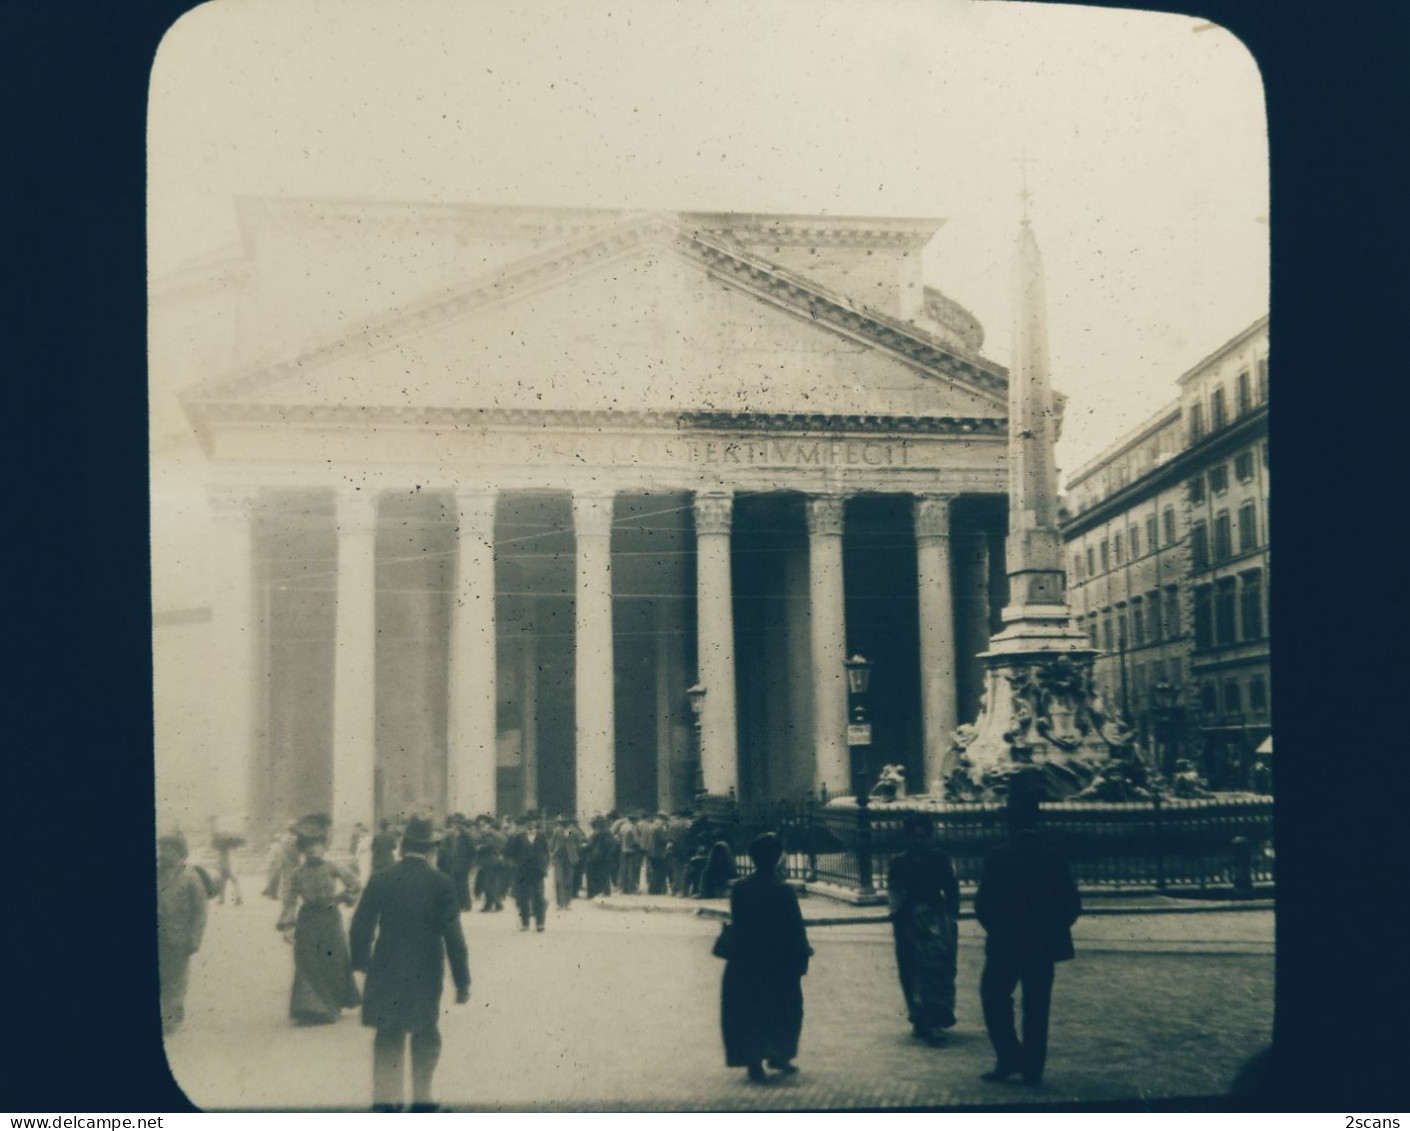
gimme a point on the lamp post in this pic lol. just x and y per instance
(696, 696)
(858, 723)
(859, 735)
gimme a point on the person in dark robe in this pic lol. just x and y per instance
(761, 998)
(406, 929)
(1026, 903)
(925, 907)
(719, 871)
(181, 924)
(655, 846)
(323, 980)
(678, 852)
(526, 852)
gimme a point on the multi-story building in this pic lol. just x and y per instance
(1167, 545)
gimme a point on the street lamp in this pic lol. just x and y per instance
(696, 697)
(858, 725)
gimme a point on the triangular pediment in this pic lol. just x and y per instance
(644, 316)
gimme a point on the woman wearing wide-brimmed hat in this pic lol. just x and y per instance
(323, 980)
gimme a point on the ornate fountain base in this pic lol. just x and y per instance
(1040, 712)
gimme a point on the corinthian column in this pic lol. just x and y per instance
(937, 632)
(829, 643)
(355, 662)
(236, 639)
(719, 749)
(473, 724)
(593, 667)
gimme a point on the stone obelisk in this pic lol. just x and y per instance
(1038, 705)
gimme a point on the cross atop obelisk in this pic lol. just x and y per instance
(1024, 195)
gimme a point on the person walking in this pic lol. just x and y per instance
(323, 981)
(181, 925)
(761, 997)
(382, 850)
(565, 848)
(225, 845)
(526, 852)
(490, 879)
(597, 856)
(678, 851)
(655, 846)
(1026, 903)
(283, 860)
(630, 854)
(406, 929)
(925, 906)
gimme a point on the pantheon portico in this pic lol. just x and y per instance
(452, 504)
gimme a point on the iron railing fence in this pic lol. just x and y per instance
(1172, 844)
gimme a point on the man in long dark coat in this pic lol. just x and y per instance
(412, 913)
(181, 924)
(1026, 903)
(526, 852)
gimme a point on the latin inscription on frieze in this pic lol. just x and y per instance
(776, 452)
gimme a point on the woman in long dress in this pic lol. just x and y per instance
(323, 979)
(925, 906)
(761, 1000)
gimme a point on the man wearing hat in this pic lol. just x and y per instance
(181, 923)
(527, 852)
(403, 932)
(1026, 903)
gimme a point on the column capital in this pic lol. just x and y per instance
(475, 510)
(229, 502)
(713, 512)
(357, 511)
(825, 514)
(592, 514)
(932, 516)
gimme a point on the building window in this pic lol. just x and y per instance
(1264, 447)
(1204, 617)
(1197, 489)
(1106, 562)
(1219, 478)
(1233, 701)
(1158, 670)
(1243, 466)
(1199, 546)
(1138, 622)
(1218, 415)
(1077, 567)
(1172, 612)
(1251, 604)
(1262, 379)
(1134, 537)
(1091, 561)
(1151, 541)
(1243, 400)
(1116, 549)
(1208, 699)
(1169, 517)
(1223, 543)
(1257, 695)
(1153, 622)
(1106, 630)
(1248, 527)
(1225, 599)
(1122, 637)
(1196, 422)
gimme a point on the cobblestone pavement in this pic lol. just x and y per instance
(618, 1009)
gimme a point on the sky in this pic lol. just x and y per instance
(1142, 137)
